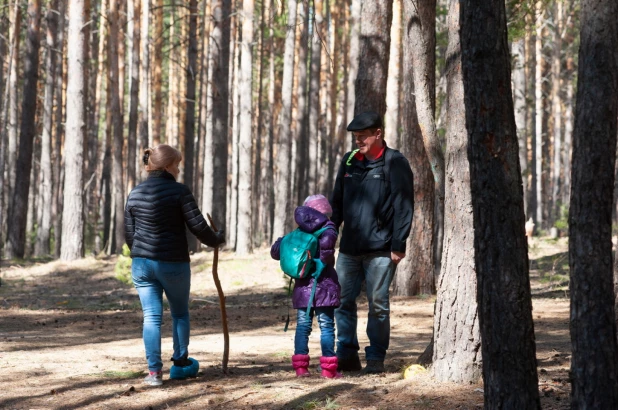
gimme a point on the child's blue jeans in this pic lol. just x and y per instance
(151, 278)
(326, 320)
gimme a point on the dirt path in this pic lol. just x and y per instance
(70, 337)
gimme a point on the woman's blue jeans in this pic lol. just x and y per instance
(151, 278)
(326, 320)
(377, 270)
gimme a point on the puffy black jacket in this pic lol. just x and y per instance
(374, 204)
(155, 216)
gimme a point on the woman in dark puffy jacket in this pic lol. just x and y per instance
(312, 216)
(155, 217)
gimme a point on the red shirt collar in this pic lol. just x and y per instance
(361, 157)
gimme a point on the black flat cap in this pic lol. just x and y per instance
(365, 120)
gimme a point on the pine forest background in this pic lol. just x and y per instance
(257, 96)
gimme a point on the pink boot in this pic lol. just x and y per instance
(300, 363)
(329, 367)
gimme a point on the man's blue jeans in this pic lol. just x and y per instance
(326, 320)
(377, 270)
(151, 278)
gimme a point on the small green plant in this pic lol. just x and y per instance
(238, 282)
(123, 266)
(115, 374)
(330, 404)
(309, 405)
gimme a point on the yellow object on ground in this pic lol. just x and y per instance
(413, 370)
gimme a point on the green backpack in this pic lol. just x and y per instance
(296, 258)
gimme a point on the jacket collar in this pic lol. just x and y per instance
(161, 173)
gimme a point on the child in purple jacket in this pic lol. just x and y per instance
(314, 215)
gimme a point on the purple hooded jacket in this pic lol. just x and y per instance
(328, 291)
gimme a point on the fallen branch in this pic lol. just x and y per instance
(215, 276)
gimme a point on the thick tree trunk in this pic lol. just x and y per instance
(501, 252)
(457, 338)
(44, 229)
(245, 88)
(594, 373)
(283, 207)
(215, 181)
(370, 85)
(415, 274)
(19, 201)
(73, 222)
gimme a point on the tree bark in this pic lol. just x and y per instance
(457, 338)
(355, 18)
(42, 247)
(374, 38)
(73, 222)
(157, 74)
(19, 201)
(519, 102)
(245, 155)
(556, 102)
(594, 373)
(314, 98)
(282, 178)
(501, 252)
(58, 170)
(301, 133)
(117, 130)
(134, 31)
(538, 116)
(391, 117)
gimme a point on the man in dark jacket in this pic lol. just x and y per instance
(374, 199)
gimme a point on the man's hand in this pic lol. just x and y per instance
(396, 257)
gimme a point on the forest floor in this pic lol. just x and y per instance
(70, 338)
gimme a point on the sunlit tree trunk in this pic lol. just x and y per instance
(314, 98)
(144, 78)
(301, 133)
(457, 339)
(282, 177)
(391, 118)
(13, 101)
(73, 221)
(232, 208)
(58, 170)
(568, 130)
(594, 373)
(519, 102)
(245, 88)
(355, 19)
(17, 214)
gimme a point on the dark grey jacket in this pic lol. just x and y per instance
(374, 204)
(155, 216)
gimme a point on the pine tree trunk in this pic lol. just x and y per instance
(538, 117)
(457, 339)
(117, 131)
(282, 178)
(8, 147)
(568, 131)
(355, 19)
(245, 166)
(501, 252)
(314, 98)
(556, 103)
(519, 102)
(73, 222)
(594, 373)
(216, 180)
(370, 85)
(157, 74)
(58, 170)
(144, 87)
(134, 31)
(391, 117)
(44, 229)
(301, 133)
(232, 208)
(19, 201)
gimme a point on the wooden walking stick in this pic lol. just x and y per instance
(215, 276)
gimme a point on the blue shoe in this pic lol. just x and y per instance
(181, 373)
